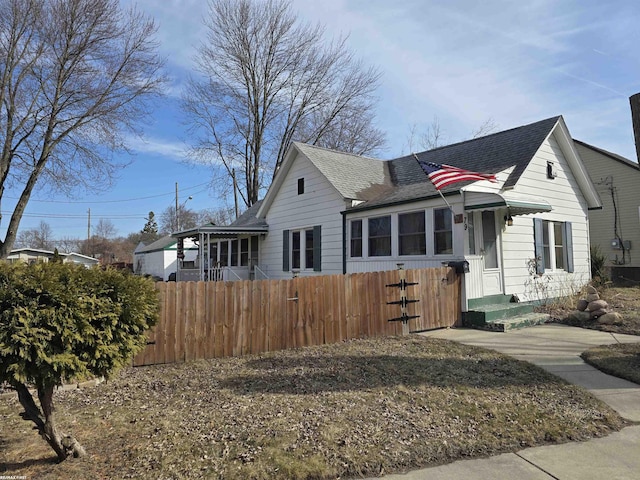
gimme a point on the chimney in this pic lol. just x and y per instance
(634, 100)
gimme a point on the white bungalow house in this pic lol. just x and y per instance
(159, 259)
(525, 238)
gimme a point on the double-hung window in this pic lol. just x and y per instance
(412, 239)
(301, 249)
(295, 250)
(553, 245)
(442, 232)
(380, 236)
(356, 239)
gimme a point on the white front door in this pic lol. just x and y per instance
(490, 251)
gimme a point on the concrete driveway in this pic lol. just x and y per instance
(555, 348)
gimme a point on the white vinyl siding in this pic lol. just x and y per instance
(320, 205)
(569, 205)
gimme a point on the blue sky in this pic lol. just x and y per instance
(463, 62)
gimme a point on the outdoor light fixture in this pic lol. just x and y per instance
(508, 220)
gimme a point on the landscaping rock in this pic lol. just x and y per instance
(591, 290)
(582, 305)
(598, 313)
(592, 297)
(580, 316)
(597, 305)
(610, 318)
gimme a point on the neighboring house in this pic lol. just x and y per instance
(616, 228)
(159, 259)
(328, 212)
(34, 255)
(228, 252)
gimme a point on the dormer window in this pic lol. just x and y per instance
(551, 171)
(300, 186)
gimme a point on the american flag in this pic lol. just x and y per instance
(443, 175)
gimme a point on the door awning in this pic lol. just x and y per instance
(222, 231)
(517, 203)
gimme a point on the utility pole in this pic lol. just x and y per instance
(235, 191)
(177, 226)
(89, 231)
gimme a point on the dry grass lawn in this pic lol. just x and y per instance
(621, 360)
(365, 407)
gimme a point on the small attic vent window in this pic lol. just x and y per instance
(551, 171)
(300, 186)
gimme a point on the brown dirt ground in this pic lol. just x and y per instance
(358, 408)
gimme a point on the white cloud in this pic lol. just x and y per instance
(156, 146)
(466, 61)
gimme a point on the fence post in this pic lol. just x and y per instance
(403, 302)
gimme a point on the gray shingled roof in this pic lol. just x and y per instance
(248, 218)
(491, 154)
(354, 176)
(609, 154)
(159, 244)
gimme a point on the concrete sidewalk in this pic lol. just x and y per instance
(555, 348)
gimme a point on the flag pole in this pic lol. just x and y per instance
(445, 200)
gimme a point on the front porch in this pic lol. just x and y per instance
(225, 253)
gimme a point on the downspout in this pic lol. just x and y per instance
(344, 242)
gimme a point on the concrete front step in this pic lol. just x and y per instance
(491, 313)
(479, 303)
(513, 323)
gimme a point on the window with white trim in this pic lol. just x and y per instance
(355, 241)
(244, 252)
(301, 249)
(442, 231)
(295, 250)
(380, 236)
(553, 245)
(412, 239)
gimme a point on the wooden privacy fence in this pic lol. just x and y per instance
(219, 319)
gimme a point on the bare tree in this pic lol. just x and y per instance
(434, 136)
(489, 126)
(38, 237)
(217, 216)
(105, 229)
(75, 78)
(265, 80)
(69, 244)
(170, 222)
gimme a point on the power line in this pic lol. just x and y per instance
(70, 202)
(73, 216)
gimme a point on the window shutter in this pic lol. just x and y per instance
(539, 247)
(285, 250)
(317, 249)
(568, 242)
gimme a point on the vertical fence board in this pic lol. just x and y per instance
(160, 329)
(168, 317)
(200, 326)
(228, 325)
(218, 319)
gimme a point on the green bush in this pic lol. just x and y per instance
(62, 321)
(598, 262)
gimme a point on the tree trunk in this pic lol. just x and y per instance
(64, 446)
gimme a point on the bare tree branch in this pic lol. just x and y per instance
(76, 76)
(264, 80)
